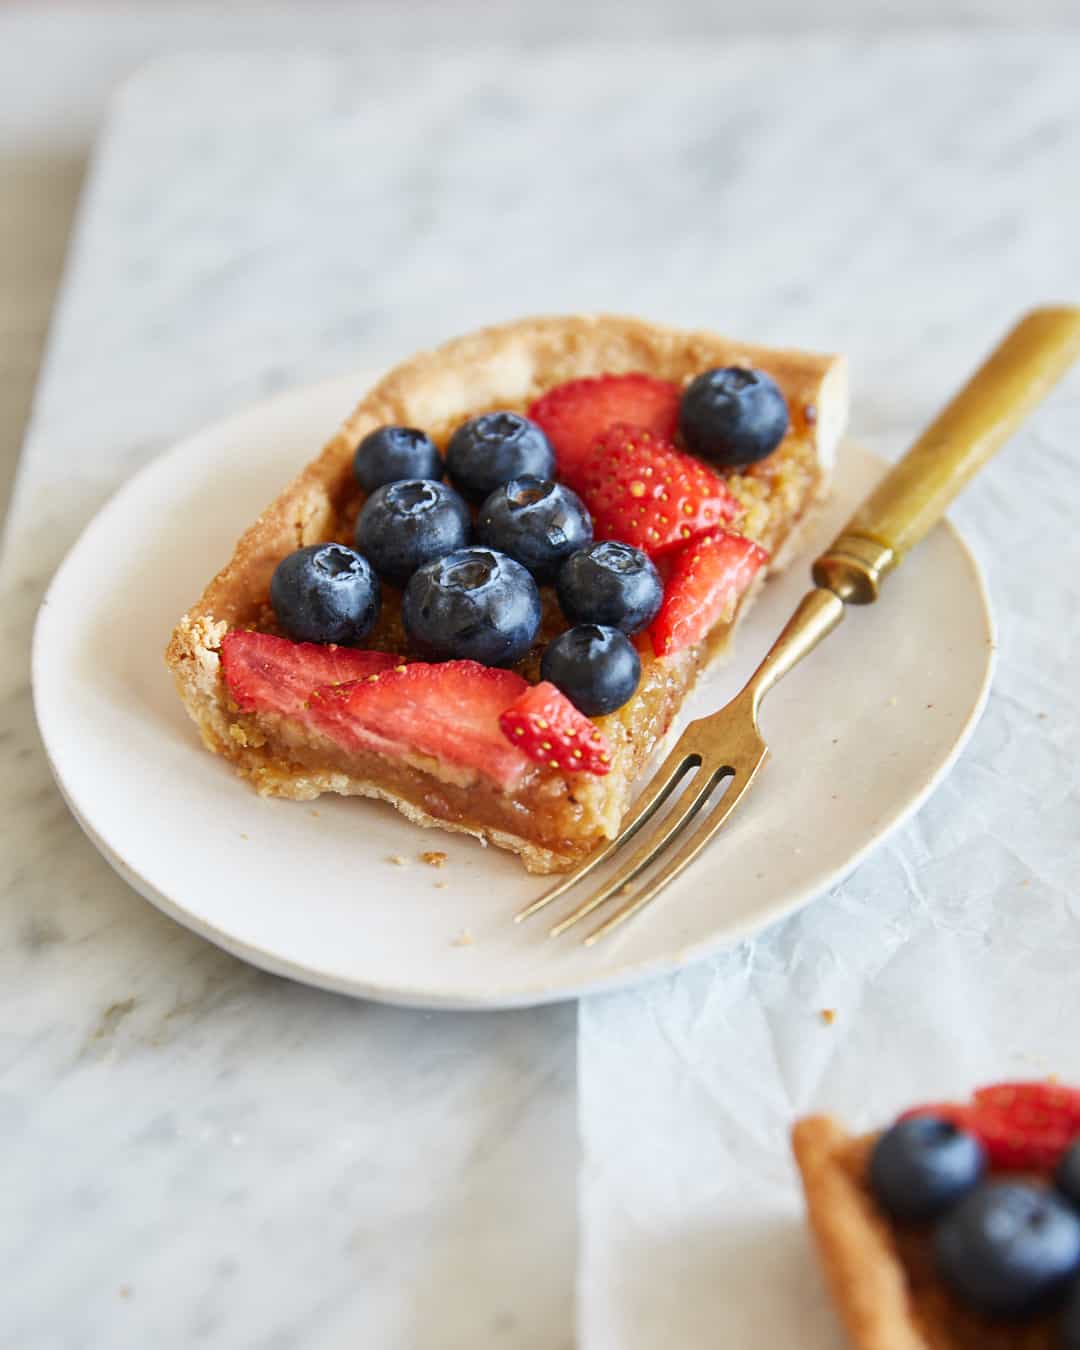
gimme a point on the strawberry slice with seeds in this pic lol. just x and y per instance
(703, 587)
(573, 415)
(448, 711)
(1031, 1102)
(1022, 1126)
(550, 730)
(271, 674)
(643, 491)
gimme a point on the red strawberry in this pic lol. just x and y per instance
(706, 580)
(449, 711)
(574, 414)
(640, 489)
(550, 730)
(272, 674)
(1022, 1126)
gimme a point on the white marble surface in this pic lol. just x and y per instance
(199, 1154)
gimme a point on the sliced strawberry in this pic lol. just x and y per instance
(550, 730)
(271, 674)
(1022, 1126)
(573, 415)
(1032, 1102)
(704, 584)
(640, 489)
(1027, 1124)
(449, 711)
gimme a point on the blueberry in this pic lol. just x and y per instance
(537, 522)
(611, 584)
(405, 525)
(1008, 1248)
(474, 603)
(733, 416)
(1069, 1331)
(922, 1165)
(596, 668)
(325, 593)
(389, 454)
(1067, 1176)
(489, 450)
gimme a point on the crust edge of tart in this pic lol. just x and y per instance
(862, 1268)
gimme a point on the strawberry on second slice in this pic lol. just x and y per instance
(706, 580)
(449, 711)
(574, 414)
(643, 491)
(550, 730)
(271, 674)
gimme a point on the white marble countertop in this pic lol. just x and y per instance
(202, 1154)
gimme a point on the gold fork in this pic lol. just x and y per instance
(910, 500)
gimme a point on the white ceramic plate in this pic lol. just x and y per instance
(860, 734)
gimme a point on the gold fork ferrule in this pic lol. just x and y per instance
(854, 567)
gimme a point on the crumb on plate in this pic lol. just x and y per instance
(434, 857)
(463, 939)
(828, 1016)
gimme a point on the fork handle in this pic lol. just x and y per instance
(914, 495)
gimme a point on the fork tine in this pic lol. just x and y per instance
(682, 859)
(680, 817)
(670, 774)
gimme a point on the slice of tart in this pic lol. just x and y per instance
(958, 1227)
(420, 616)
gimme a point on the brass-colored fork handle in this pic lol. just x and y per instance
(914, 495)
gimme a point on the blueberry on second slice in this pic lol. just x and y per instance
(612, 584)
(597, 668)
(472, 604)
(404, 525)
(389, 454)
(325, 593)
(1008, 1249)
(922, 1165)
(537, 522)
(489, 450)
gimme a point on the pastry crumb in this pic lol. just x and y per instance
(893, 701)
(124, 1291)
(434, 857)
(242, 835)
(463, 939)
(398, 859)
(314, 813)
(441, 885)
(828, 1016)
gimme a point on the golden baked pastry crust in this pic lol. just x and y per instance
(505, 366)
(881, 1277)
